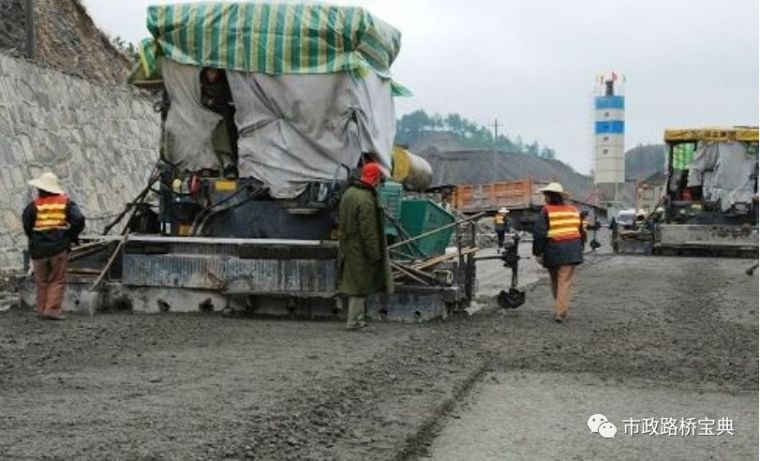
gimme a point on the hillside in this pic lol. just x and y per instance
(643, 161)
(454, 162)
(66, 40)
(477, 167)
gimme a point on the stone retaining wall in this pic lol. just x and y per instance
(101, 141)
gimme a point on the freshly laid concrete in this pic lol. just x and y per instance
(517, 415)
(648, 337)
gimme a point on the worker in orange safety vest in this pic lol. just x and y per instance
(558, 238)
(52, 222)
(501, 225)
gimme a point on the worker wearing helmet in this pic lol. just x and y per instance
(363, 265)
(501, 225)
(640, 222)
(557, 244)
(52, 222)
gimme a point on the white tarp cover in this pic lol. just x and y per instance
(187, 137)
(724, 170)
(298, 128)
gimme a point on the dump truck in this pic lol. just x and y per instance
(711, 201)
(520, 197)
(263, 125)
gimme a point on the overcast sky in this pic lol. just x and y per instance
(532, 64)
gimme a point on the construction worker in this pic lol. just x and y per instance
(363, 264)
(216, 96)
(557, 244)
(586, 225)
(52, 222)
(640, 222)
(501, 225)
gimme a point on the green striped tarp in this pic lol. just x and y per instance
(683, 155)
(270, 37)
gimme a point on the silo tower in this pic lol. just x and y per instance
(609, 136)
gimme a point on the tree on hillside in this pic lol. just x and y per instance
(124, 47)
(547, 153)
(411, 126)
(532, 149)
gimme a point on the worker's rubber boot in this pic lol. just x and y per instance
(356, 309)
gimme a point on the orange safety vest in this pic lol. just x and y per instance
(499, 218)
(51, 212)
(564, 222)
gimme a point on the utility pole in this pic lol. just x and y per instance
(496, 126)
(29, 10)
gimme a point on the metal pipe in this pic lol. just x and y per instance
(434, 231)
(228, 241)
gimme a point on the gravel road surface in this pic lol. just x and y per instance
(647, 337)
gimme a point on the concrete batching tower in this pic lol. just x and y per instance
(609, 137)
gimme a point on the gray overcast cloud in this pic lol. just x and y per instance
(532, 64)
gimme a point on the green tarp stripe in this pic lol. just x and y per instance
(313, 48)
(683, 156)
(279, 38)
(230, 38)
(161, 20)
(324, 38)
(255, 37)
(349, 28)
(183, 27)
(212, 45)
(193, 44)
(263, 38)
(332, 38)
(200, 33)
(295, 51)
(287, 39)
(271, 50)
(168, 21)
(248, 41)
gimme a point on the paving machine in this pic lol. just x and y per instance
(709, 201)
(258, 143)
(710, 204)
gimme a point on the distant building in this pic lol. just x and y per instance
(609, 138)
(650, 191)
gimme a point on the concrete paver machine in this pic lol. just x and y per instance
(711, 199)
(267, 112)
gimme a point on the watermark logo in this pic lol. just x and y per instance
(599, 424)
(683, 427)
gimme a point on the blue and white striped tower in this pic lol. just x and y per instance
(609, 135)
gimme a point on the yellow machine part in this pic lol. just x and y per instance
(414, 172)
(746, 134)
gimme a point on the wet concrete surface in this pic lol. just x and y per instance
(173, 386)
(675, 338)
(525, 415)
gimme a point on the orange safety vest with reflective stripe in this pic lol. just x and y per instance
(564, 222)
(499, 218)
(51, 213)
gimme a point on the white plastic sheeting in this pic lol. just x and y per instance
(299, 128)
(724, 170)
(187, 138)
